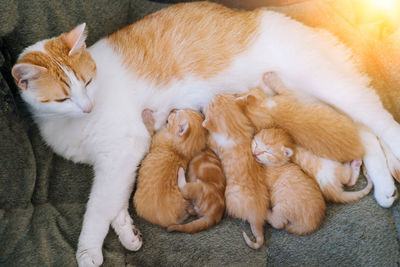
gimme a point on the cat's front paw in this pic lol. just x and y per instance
(89, 257)
(130, 237)
(385, 196)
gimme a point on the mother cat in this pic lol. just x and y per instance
(88, 102)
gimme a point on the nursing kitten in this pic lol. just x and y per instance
(246, 194)
(205, 189)
(179, 57)
(332, 175)
(297, 204)
(157, 198)
(315, 127)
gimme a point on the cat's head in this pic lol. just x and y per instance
(272, 147)
(185, 129)
(55, 75)
(224, 117)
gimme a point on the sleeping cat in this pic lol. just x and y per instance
(179, 57)
(206, 190)
(330, 175)
(246, 194)
(157, 198)
(297, 204)
(315, 127)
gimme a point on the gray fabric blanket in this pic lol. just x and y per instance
(43, 196)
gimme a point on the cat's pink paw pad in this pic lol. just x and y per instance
(90, 257)
(271, 79)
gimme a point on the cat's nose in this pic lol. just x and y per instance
(88, 109)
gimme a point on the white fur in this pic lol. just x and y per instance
(113, 138)
(270, 103)
(326, 175)
(223, 141)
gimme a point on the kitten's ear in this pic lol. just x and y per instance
(251, 99)
(241, 101)
(183, 127)
(75, 39)
(288, 152)
(208, 124)
(24, 72)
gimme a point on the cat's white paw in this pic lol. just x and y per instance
(385, 196)
(129, 236)
(89, 257)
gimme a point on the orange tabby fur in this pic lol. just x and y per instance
(297, 204)
(344, 174)
(246, 194)
(157, 198)
(206, 189)
(315, 127)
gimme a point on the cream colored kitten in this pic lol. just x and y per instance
(297, 204)
(246, 194)
(157, 198)
(205, 189)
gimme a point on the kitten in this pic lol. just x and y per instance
(297, 204)
(315, 127)
(206, 189)
(94, 96)
(157, 198)
(332, 175)
(246, 194)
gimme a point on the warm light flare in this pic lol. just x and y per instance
(385, 5)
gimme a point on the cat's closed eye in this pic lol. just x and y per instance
(62, 99)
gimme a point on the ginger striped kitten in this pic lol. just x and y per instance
(332, 176)
(87, 102)
(230, 135)
(157, 198)
(297, 204)
(317, 128)
(205, 189)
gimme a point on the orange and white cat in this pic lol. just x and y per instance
(87, 102)
(157, 198)
(317, 128)
(206, 191)
(246, 194)
(332, 175)
(297, 204)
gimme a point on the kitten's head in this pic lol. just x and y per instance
(186, 132)
(55, 75)
(225, 117)
(272, 147)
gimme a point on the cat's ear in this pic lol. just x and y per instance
(23, 73)
(183, 127)
(251, 99)
(208, 124)
(75, 39)
(288, 152)
(241, 101)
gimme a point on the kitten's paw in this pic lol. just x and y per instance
(129, 236)
(181, 178)
(355, 172)
(89, 257)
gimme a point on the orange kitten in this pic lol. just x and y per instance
(246, 194)
(157, 198)
(317, 128)
(332, 175)
(297, 204)
(206, 188)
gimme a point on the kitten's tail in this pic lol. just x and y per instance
(338, 195)
(257, 230)
(195, 226)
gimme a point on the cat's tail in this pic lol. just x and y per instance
(338, 195)
(257, 230)
(195, 226)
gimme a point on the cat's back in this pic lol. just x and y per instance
(201, 38)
